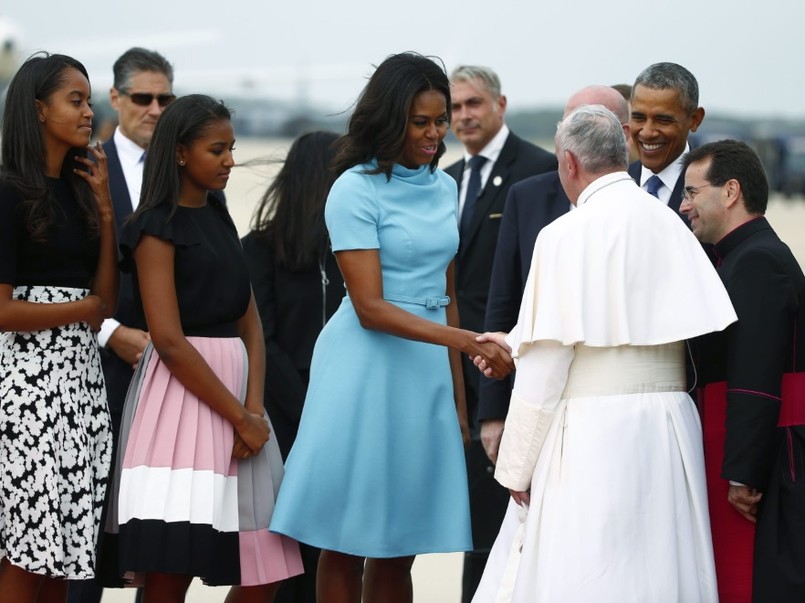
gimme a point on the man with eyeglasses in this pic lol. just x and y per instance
(142, 88)
(665, 110)
(752, 380)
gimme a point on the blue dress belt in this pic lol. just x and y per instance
(431, 303)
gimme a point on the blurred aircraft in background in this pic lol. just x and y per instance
(266, 101)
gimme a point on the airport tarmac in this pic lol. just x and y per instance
(437, 579)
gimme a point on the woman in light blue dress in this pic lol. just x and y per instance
(377, 472)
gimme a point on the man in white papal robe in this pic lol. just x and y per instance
(602, 448)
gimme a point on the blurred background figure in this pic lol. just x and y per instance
(625, 91)
(297, 287)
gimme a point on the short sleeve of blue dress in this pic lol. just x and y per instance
(352, 213)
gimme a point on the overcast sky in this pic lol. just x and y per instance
(748, 57)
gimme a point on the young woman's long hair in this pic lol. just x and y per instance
(378, 125)
(23, 145)
(183, 122)
(291, 212)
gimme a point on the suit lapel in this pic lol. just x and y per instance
(121, 200)
(634, 171)
(497, 182)
(676, 195)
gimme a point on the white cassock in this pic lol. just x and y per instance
(600, 427)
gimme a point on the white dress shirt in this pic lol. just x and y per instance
(131, 157)
(491, 151)
(669, 176)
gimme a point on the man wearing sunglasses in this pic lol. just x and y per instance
(143, 87)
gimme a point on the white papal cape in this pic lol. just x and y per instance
(600, 428)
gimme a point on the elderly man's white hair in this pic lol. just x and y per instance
(595, 137)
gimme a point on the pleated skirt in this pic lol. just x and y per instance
(181, 504)
(55, 443)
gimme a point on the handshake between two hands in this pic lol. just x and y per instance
(493, 356)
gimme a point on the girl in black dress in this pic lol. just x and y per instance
(58, 281)
(197, 472)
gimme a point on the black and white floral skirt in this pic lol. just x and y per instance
(55, 444)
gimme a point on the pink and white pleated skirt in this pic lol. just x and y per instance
(181, 504)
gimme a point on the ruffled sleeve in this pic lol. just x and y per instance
(157, 222)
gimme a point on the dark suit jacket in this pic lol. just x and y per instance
(517, 160)
(116, 372)
(290, 303)
(532, 204)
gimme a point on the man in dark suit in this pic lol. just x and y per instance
(142, 88)
(143, 82)
(494, 159)
(532, 204)
(665, 110)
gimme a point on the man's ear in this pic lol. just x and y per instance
(732, 193)
(114, 98)
(572, 164)
(501, 103)
(696, 119)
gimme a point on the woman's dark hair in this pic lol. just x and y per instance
(378, 125)
(291, 212)
(23, 144)
(184, 121)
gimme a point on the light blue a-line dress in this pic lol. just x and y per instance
(378, 468)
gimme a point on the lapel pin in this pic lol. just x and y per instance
(497, 181)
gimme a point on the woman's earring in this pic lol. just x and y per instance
(181, 162)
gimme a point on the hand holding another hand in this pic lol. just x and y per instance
(494, 356)
(253, 431)
(239, 448)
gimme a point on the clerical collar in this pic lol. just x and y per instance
(601, 183)
(738, 235)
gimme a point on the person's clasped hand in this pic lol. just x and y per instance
(494, 360)
(745, 500)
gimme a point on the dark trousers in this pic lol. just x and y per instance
(488, 502)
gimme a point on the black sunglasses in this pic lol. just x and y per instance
(145, 98)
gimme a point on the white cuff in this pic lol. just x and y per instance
(108, 327)
(523, 437)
